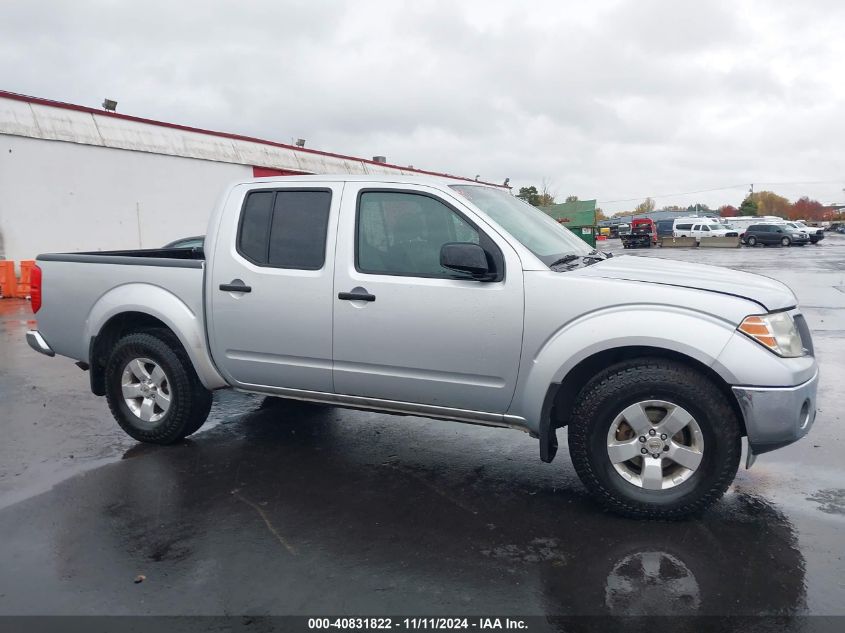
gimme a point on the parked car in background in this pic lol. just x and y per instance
(643, 234)
(439, 298)
(816, 233)
(682, 227)
(770, 234)
(665, 228)
(187, 242)
(742, 222)
(703, 231)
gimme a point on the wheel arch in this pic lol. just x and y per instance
(561, 396)
(135, 307)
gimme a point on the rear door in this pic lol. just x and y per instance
(423, 335)
(270, 289)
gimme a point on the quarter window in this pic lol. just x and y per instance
(285, 229)
(401, 233)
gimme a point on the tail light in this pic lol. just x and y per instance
(35, 288)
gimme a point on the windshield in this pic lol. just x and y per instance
(536, 231)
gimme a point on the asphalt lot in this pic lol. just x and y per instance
(288, 508)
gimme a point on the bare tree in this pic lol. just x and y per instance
(547, 194)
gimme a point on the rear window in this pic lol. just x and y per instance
(285, 229)
(758, 227)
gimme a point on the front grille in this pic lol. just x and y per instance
(804, 332)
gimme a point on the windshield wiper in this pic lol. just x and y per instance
(564, 260)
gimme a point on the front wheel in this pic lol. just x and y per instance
(152, 389)
(654, 438)
(785, 241)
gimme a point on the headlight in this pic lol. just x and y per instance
(796, 235)
(776, 332)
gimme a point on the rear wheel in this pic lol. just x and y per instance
(654, 438)
(152, 389)
(751, 241)
(785, 241)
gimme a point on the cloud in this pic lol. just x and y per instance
(608, 100)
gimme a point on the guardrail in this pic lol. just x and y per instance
(11, 285)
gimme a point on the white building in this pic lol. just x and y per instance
(74, 178)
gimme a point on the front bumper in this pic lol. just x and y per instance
(777, 416)
(37, 342)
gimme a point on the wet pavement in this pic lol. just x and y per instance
(288, 508)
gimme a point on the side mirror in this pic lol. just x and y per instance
(466, 257)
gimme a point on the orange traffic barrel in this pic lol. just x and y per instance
(23, 287)
(8, 281)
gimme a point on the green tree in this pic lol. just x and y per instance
(572, 198)
(748, 207)
(530, 195)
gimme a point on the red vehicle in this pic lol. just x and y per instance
(643, 234)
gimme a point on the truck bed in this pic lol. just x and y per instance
(81, 291)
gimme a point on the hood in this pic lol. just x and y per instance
(771, 294)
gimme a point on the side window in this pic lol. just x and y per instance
(298, 232)
(401, 234)
(285, 229)
(684, 227)
(255, 226)
(697, 227)
(704, 227)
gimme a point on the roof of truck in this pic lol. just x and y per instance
(388, 178)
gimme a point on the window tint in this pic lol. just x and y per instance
(401, 234)
(255, 225)
(285, 229)
(684, 227)
(704, 227)
(298, 232)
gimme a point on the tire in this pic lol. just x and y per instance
(177, 388)
(751, 241)
(637, 385)
(785, 241)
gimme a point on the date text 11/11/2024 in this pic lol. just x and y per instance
(429, 623)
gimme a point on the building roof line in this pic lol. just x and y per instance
(4, 94)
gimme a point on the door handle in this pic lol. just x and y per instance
(356, 296)
(235, 288)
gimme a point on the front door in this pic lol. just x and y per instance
(419, 332)
(270, 289)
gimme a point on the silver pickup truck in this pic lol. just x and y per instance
(444, 299)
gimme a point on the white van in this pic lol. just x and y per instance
(742, 222)
(701, 228)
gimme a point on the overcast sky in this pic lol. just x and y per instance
(607, 100)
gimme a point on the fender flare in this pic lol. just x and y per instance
(168, 308)
(684, 332)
